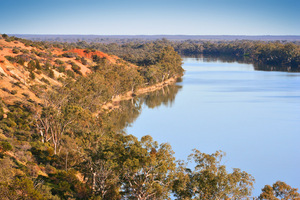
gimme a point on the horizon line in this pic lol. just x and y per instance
(141, 34)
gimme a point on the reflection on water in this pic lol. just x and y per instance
(242, 60)
(165, 96)
(262, 67)
(253, 116)
(131, 109)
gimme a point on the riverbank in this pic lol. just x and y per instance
(129, 95)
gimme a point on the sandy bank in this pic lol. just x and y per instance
(129, 95)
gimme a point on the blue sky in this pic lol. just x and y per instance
(150, 17)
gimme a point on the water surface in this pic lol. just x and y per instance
(253, 116)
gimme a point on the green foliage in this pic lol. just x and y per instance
(10, 59)
(61, 68)
(24, 188)
(76, 68)
(268, 53)
(25, 51)
(279, 190)
(5, 36)
(70, 73)
(96, 59)
(83, 61)
(51, 73)
(32, 75)
(18, 121)
(43, 153)
(37, 64)
(1, 110)
(15, 51)
(210, 180)
(13, 92)
(59, 62)
(148, 169)
(66, 185)
(5, 90)
(34, 64)
(45, 81)
(143, 52)
(5, 146)
(21, 60)
(69, 55)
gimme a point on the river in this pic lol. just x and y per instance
(253, 116)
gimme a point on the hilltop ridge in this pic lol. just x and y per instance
(25, 64)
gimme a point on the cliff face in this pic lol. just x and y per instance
(26, 65)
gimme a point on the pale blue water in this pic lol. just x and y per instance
(253, 116)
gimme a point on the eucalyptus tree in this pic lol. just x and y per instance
(210, 180)
(279, 190)
(148, 170)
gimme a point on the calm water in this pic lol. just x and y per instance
(253, 116)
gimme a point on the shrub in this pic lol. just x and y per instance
(76, 68)
(60, 79)
(6, 90)
(10, 59)
(15, 51)
(83, 61)
(87, 51)
(69, 55)
(25, 95)
(32, 75)
(21, 61)
(70, 73)
(47, 66)
(45, 80)
(59, 62)
(18, 84)
(1, 111)
(13, 92)
(5, 146)
(61, 68)
(31, 66)
(96, 58)
(24, 51)
(41, 54)
(51, 73)
(22, 135)
(5, 36)
(25, 57)
(37, 64)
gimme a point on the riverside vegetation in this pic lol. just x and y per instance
(274, 55)
(58, 142)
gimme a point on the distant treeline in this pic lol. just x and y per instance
(131, 38)
(278, 54)
(269, 53)
(281, 52)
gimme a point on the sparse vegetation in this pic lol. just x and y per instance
(32, 75)
(45, 81)
(13, 92)
(15, 51)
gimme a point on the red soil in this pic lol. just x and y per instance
(83, 53)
